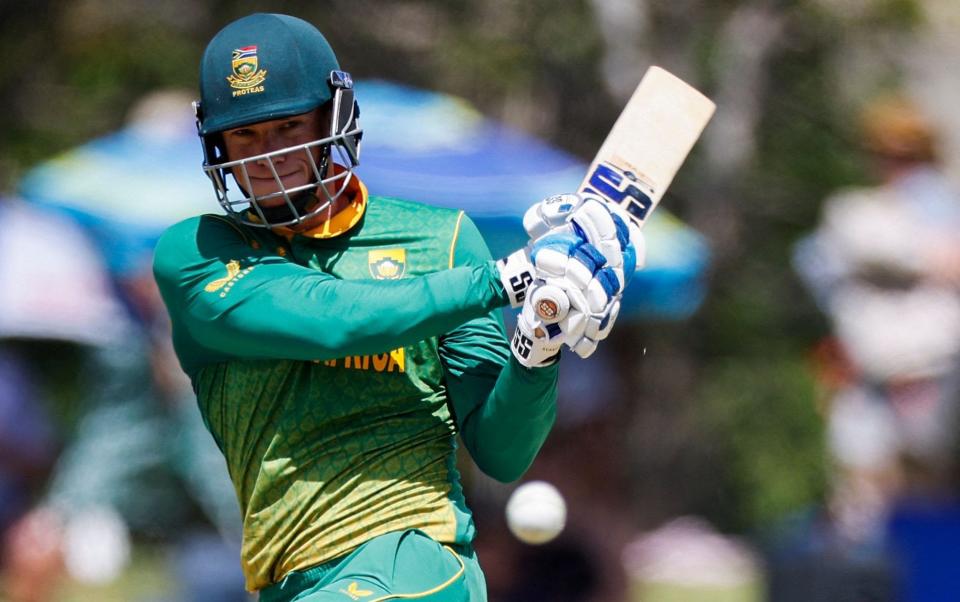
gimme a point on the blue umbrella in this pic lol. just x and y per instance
(128, 186)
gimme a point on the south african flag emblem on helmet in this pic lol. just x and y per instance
(247, 75)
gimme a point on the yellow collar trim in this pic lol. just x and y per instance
(346, 218)
(342, 221)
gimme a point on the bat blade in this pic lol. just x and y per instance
(648, 143)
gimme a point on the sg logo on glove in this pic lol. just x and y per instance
(547, 309)
(519, 284)
(551, 303)
(522, 345)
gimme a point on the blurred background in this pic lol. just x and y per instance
(772, 419)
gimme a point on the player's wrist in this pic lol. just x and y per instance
(516, 272)
(535, 343)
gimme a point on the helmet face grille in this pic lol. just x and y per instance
(301, 203)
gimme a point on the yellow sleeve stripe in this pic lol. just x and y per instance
(456, 233)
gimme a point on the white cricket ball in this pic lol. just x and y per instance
(536, 512)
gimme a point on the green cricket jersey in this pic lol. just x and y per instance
(335, 368)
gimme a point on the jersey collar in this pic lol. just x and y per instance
(347, 217)
(343, 220)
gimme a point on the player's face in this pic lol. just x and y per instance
(293, 168)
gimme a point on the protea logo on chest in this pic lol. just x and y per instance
(387, 264)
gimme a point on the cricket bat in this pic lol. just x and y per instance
(639, 158)
(648, 143)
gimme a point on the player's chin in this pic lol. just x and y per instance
(272, 196)
(269, 199)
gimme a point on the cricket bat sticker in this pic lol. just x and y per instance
(648, 143)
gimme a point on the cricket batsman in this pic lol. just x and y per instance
(338, 342)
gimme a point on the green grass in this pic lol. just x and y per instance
(147, 577)
(668, 592)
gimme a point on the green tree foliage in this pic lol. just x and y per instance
(769, 446)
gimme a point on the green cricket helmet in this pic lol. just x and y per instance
(264, 67)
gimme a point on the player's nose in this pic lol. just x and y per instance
(270, 142)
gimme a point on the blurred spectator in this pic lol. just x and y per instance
(53, 295)
(136, 460)
(687, 554)
(884, 266)
(27, 443)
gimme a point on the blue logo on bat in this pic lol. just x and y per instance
(622, 188)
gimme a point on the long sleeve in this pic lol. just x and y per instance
(227, 299)
(504, 410)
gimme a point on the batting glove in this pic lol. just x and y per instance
(613, 234)
(583, 254)
(575, 288)
(570, 301)
(604, 225)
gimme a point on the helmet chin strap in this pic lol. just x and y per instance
(283, 213)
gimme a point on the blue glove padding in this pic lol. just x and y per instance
(628, 248)
(603, 225)
(568, 256)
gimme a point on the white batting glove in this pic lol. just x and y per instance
(570, 301)
(591, 290)
(604, 225)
